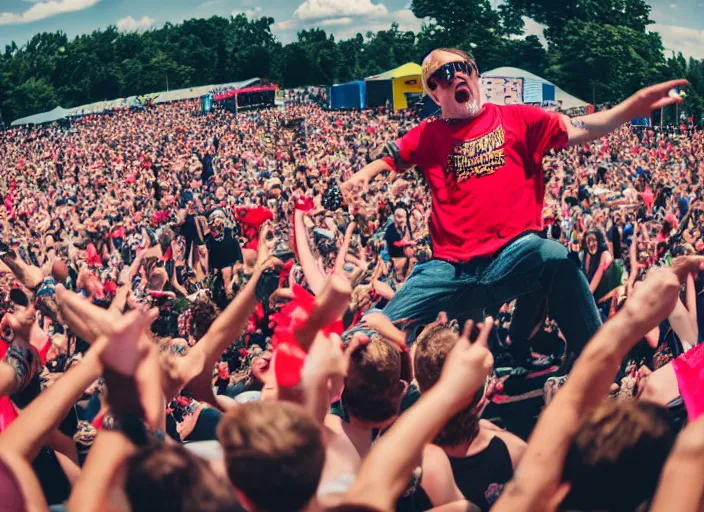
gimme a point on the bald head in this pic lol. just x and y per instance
(441, 56)
(457, 90)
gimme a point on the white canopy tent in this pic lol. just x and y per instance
(44, 117)
(568, 101)
(133, 101)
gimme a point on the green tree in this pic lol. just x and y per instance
(352, 55)
(323, 54)
(604, 63)
(598, 50)
(296, 66)
(34, 95)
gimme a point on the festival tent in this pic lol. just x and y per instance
(197, 92)
(349, 95)
(248, 97)
(247, 90)
(507, 85)
(45, 117)
(132, 101)
(394, 85)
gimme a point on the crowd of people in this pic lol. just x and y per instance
(301, 309)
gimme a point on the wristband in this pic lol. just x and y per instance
(304, 204)
(133, 428)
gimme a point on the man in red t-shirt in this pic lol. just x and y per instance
(483, 164)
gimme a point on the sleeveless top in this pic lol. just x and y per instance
(481, 478)
(611, 279)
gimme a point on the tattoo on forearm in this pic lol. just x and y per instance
(577, 123)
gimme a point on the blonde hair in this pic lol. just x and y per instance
(431, 63)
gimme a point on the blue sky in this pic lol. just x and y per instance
(680, 22)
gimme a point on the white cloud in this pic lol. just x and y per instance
(129, 24)
(345, 18)
(250, 13)
(404, 17)
(322, 9)
(285, 25)
(673, 6)
(335, 22)
(533, 28)
(689, 41)
(210, 3)
(43, 9)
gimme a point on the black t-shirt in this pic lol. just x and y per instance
(615, 238)
(392, 236)
(224, 252)
(189, 229)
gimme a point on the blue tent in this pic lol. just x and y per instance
(349, 95)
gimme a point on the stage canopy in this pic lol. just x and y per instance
(247, 90)
(394, 86)
(349, 95)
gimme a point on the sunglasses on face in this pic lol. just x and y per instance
(445, 74)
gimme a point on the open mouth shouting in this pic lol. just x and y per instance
(462, 92)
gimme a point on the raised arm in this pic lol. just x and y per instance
(359, 182)
(228, 326)
(386, 471)
(198, 364)
(133, 376)
(539, 474)
(585, 128)
(691, 303)
(29, 432)
(345, 247)
(315, 278)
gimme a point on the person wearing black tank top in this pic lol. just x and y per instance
(482, 456)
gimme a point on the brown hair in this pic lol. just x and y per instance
(169, 478)
(432, 347)
(203, 314)
(614, 461)
(274, 454)
(430, 66)
(373, 388)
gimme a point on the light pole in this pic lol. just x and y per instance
(167, 81)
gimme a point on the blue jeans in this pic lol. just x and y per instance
(530, 269)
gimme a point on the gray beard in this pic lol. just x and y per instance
(470, 109)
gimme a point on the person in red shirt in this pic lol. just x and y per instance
(483, 164)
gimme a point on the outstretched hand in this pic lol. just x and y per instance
(124, 350)
(468, 364)
(354, 188)
(683, 266)
(655, 97)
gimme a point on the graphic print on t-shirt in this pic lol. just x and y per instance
(478, 157)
